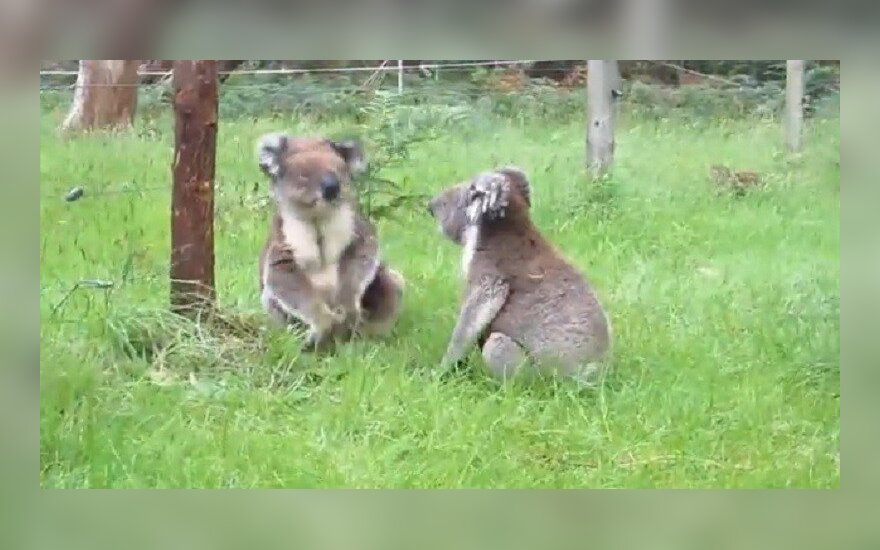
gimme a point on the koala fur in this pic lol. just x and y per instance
(320, 265)
(529, 310)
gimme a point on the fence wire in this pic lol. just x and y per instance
(384, 69)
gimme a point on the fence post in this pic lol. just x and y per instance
(794, 104)
(600, 123)
(400, 76)
(192, 198)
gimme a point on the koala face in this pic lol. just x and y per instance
(488, 196)
(310, 176)
(312, 181)
(449, 208)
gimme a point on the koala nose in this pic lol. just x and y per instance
(330, 187)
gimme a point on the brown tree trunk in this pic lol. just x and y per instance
(105, 95)
(192, 201)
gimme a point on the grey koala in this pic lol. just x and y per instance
(529, 310)
(320, 266)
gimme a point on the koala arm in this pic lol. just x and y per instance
(483, 302)
(294, 294)
(357, 267)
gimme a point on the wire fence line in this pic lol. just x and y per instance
(382, 67)
(229, 200)
(62, 291)
(80, 192)
(225, 191)
(255, 85)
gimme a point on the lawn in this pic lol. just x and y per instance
(725, 313)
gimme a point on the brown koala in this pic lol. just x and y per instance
(524, 303)
(320, 266)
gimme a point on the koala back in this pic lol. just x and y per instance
(552, 309)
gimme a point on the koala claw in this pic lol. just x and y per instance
(315, 342)
(448, 369)
(311, 343)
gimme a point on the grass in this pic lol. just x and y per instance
(725, 314)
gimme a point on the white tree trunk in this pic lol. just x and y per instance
(105, 95)
(794, 104)
(600, 131)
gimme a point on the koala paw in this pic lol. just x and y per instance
(311, 343)
(488, 197)
(316, 342)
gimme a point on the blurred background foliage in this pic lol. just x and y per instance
(546, 89)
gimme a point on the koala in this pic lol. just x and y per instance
(320, 266)
(526, 307)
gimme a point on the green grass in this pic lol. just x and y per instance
(725, 315)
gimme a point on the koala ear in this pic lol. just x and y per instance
(518, 178)
(270, 152)
(353, 152)
(488, 197)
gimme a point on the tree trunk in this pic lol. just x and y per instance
(192, 200)
(105, 95)
(600, 132)
(794, 104)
